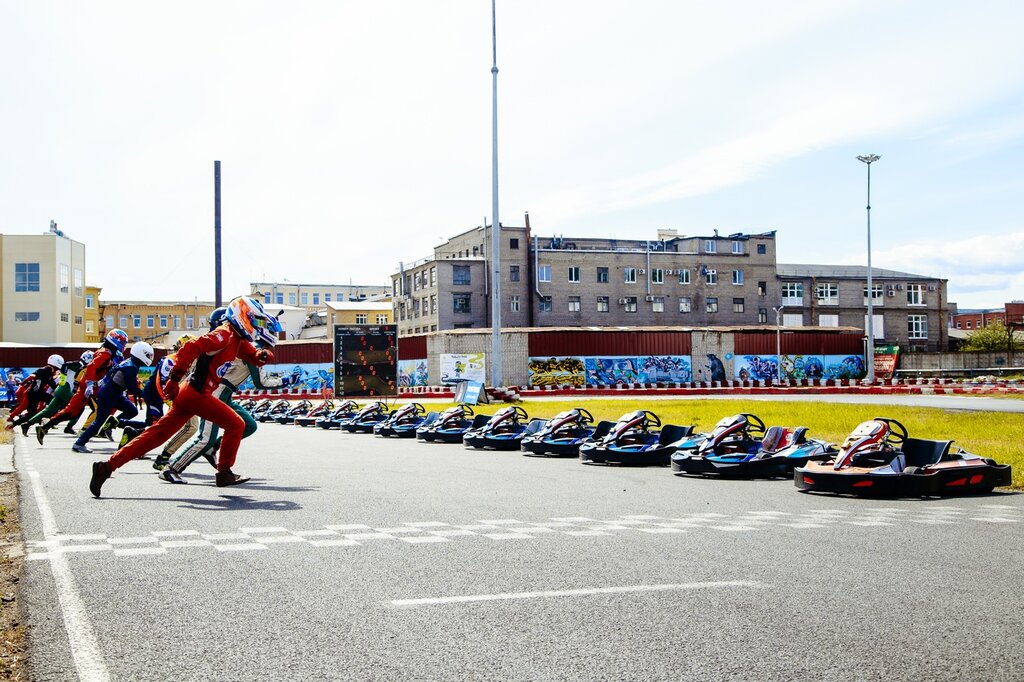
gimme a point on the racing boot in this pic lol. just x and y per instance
(81, 448)
(162, 460)
(24, 429)
(70, 429)
(171, 476)
(107, 430)
(101, 471)
(40, 433)
(226, 478)
(129, 433)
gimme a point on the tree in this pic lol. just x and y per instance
(994, 338)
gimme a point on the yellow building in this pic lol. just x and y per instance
(92, 314)
(159, 322)
(315, 297)
(358, 312)
(42, 288)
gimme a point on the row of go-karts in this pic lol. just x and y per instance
(878, 458)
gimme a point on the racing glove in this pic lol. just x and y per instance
(171, 388)
(90, 386)
(264, 356)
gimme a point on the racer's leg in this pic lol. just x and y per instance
(157, 433)
(221, 414)
(203, 444)
(105, 405)
(60, 399)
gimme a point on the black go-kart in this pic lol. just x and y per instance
(318, 412)
(879, 458)
(505, 430)
(346, 410)
(635, 440)
(563, 434)
(274, 411)
(365, 419)
(451, 425)
(300, 408)
(403, 422)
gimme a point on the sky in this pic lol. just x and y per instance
(354, 135)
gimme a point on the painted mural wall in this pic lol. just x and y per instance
(609, 371)
(766, 367)
(313, 376)
(412, 373)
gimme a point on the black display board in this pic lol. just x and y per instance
(366, 360)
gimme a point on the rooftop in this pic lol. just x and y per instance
(359, 305)
(843, 272)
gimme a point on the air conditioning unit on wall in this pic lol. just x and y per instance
(891, 292)
(622, 301)
(931, 287)
(649, 299)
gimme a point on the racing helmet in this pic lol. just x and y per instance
(116, 339)
(267, 334)
(87, 357)
(217, 317)
(143, 352)
(182, 340)
(246, 315)
(55, 360)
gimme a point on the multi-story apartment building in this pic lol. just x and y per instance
(315, 297)
(558, 281)
(155, 321)
(42, 288)
(908, 309)
(93, 325)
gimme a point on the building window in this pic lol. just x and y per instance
(602, 304)
(150, 321)
(602, 275)
(657, 276)
(461, 303)
(460, 275)
(416, 281)
(544, 273)
(189, 321)
(762, 316)
(65, 278)
(574, 273)
(513, 243)
(738, 305)
(90, 328)
(792, 293)
(123, 322)
(917, 326)
(361, 318)
(316, 298)
(26, 317)
(291, 298)
(78, 319)
(474, 251)
(685, 304)
(684, 276)
(63, 317)
(629, 275)
(416, 307)
(737, 247)
(574, 304)
(78, 282)
(827, 293)
(709, 246)
(163, 322)
(26, 277)
(513, 273)
(304, 298)
(433, 277)
(327, 297)
(878, 294)
(658, 304)
(89, 302)
(915, 295)
(110, 321)
(137, 321)
(382, 319)
(513, 304)
(177, 321)
(279, 298)
(433, 304)
(711, 304)
(737, 277)
(762, 249)
(828, 320)
(762, 288)
(958, 324)
(202, 323)
(710, 276)
(545, 304)
(968, 324)
(266, 299)
(630, 304)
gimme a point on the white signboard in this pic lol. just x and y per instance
(459, 367)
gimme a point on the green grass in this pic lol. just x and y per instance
(989, 434)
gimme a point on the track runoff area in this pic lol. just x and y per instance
(351, 556)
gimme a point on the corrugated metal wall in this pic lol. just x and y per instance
(579, 343)
(800, 343)
(35, 356)
(412, 347)
(304, 352)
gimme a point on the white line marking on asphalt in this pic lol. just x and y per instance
(803, 525)
(425, 524)
(499, 522)
(572, 519)
(934, 522)
(586, 533)
(227, 536)
(641, 517)
(398, 531)
(85, 649)
(281, 539)
(369, 536)
(508, 536)
(993, 519)
(348, 526)
(264, 529)
(584, 592)
(609, 527)
(175, 544)
(733, 528)
(240, 547)
(135, 551)
(340, 542)
(174, 533)
(452, 533)
(654, 531)
(867, 523)
(422, 539)
(83, 537)
(769, 513)
(478, 526)
(146, 539)
(311, 533)
(86, 548)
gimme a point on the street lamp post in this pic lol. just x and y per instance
(778, 341)
(496, 359)
(870, 359)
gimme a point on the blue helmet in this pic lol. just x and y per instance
(217, 317)
(116, 340)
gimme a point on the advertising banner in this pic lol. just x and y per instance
(459, 367)
(886, 359)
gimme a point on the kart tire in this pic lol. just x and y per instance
(911, 470)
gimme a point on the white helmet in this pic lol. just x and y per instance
(142, 351)
(87, 357)
(55, 361)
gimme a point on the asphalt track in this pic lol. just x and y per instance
(354, 557)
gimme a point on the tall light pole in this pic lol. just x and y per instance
(495, 222)
(778, 341)
(870, 359)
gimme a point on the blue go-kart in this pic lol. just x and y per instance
(451, 425)
(346, 410)
(403, 422)
(365, 419)
(505, 430)
(563, 434)
(318, 412)
(637, 439)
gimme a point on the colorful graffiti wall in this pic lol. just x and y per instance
(412, 373)
(314, 377)
(609, 371)
(765, 367)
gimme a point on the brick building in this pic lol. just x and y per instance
(966, 320)
(159, 322)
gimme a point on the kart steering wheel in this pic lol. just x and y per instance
(652, 419)
(418, 409)
(587, 418)
(467, 411)
(519, 413)
(754, 423)
(897, 433)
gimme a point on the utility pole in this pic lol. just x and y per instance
(870, 359)
(218, 299)
(496, 360)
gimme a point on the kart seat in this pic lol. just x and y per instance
(920, 452)
(479, 420)
(670, 433)
(603, 427)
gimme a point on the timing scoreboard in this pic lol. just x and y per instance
(366, 360)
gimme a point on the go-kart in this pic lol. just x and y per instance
(741, 446)
(880, 458)
(346, 410)
(562, 435)
(403, 422)
(274, 411)
(318, 412)
(248, 404)
(260, 406)
(505, 430)
(300, 408)
(451, 425)
(365, 419)
(635, 440)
